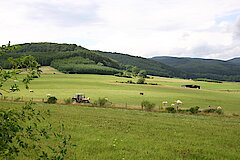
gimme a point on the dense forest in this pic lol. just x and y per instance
(64, 55)
(82, 65)
(152, 67)
(204, 68)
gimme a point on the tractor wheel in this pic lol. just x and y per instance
(85, 101)
(74, 101)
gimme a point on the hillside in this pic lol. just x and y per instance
(152, 67)
(204, 68)
(68, 58)
(235, 60)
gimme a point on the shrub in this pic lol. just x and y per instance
(194, 110)
(101, 101)
(68, 100)
(209, 110)
(170, 109)
(219, 111)
(143, 74)
(147, 105)
(52, 100)
(141, 81)
(183, 110)
(130, 81)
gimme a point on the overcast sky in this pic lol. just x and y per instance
(184, 28)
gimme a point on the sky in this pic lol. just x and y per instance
(147, 28)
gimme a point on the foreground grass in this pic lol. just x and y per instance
(103, 133)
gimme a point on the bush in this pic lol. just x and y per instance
(209, 110)
(143, 74)
(68, 100)
(213, 110)
(141, 81)
(170, 109)
(194, 110)
(52, 100)
(130, 81)
(147, 105)
(101, 101)
(183, 110)
(219, 111)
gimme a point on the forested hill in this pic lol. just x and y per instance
(45, 53)
(68, 58)
(235, 60)
(204, 68)
(152, 67)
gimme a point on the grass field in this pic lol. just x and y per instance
(120, 134)
(63, 86)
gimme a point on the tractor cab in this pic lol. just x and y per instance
(79, 95)
(80, 98)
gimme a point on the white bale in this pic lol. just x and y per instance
(48, 95)
(164, 102)
(178, 102)
(219, 108)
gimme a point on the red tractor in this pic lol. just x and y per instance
(80, 98)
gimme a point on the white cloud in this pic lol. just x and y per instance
(195, 28)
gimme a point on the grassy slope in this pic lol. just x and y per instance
(102, 133)
(94, 86)
(49, 70)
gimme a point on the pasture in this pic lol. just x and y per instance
(105, 133)
(122, 134)
(63, 86)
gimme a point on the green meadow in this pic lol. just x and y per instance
(63, 86)
(124, 134)
(121, 134)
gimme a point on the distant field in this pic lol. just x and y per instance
(64, 86)
(49, 70)
(119, 134)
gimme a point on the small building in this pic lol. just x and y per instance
(191, 86)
